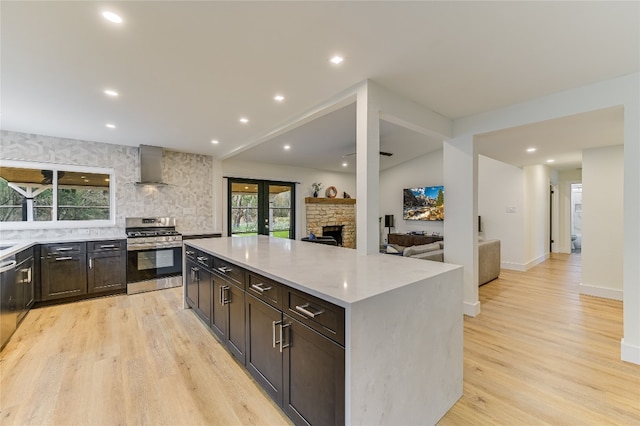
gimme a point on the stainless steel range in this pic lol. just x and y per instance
(154, 254)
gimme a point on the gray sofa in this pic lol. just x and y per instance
(488, 257)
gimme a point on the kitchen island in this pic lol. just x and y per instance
(403, 321)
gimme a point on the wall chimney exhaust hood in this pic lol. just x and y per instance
(150, 165)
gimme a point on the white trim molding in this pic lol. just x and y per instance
(536, 261)
(629, 352)
(471, 309)
(606, 293)
(512, 266)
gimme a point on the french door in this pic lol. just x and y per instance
(261, 207)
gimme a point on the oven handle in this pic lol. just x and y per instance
(152, 247)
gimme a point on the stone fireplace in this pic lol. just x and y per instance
(335, 213)
(334, 231)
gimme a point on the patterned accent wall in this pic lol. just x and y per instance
(188, 197)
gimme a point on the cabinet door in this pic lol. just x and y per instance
(313, 376)
(236, 331)
(264, 362)
(204, 295)
(107, 271)
(192, 284)
(220, 313)
(64, 276)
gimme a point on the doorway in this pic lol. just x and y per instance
(261, 207)
(576, 218)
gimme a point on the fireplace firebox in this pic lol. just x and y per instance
(334, 231)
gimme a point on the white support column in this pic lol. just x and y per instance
(461, 215)
(630, 344)
(368, 171)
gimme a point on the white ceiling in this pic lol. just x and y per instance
(187, 71)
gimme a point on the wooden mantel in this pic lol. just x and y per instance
(313, 200)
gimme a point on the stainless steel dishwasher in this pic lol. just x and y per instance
(8, 305)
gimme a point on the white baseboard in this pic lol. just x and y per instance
(536, 261)
(512, 266)
(629, 352)
(606, 293)
(523, 267)
(471, 309)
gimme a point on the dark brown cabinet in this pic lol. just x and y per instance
(107, 266)
(63, 270)
(313, 382)
(290, 342)
(81, 268)
(199, 288)
(228, 321)
(264, 359)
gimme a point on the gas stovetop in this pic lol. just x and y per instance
(136, 233)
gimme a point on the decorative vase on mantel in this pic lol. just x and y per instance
(315, 194)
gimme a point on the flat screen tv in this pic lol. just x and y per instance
(424, 203)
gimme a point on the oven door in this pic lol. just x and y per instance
(152, 263)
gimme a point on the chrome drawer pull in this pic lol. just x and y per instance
(202, 258)
(63, 249)
(190, 253)
(64, 258)
(223, 295)
(259, 287)
(225, 269)
(108, 246)
(307, 312)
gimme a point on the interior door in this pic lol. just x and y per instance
(259, 207)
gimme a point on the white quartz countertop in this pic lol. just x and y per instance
(336, 274)
(17, 246)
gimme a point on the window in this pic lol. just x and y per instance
(36, 195)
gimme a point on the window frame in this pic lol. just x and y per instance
(57, 224)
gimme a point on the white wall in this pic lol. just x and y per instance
(536, 216)
(602, 215)
(500, 191)
(343, 182)
(425, 170)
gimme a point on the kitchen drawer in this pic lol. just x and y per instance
(204, 259)
(107, 245)
(322, 316)
(265, 289)
(232, 272)
(191, 253)
(58, 249)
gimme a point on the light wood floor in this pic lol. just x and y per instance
(539, 353)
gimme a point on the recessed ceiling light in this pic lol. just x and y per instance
(244, 120)
(215, 141)
(112, 17)
(287, 147)
(550, 160)
(531, 149)
(344, 164)
(336, 59)
(111, 126)
(278, 98)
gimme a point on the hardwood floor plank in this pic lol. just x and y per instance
(538, 354)
(541, 353)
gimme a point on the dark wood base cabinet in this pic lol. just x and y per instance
(313, 376)
(291, 343)
(76, 269)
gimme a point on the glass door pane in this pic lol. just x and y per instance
(259, 207)
(243, 204)
(280, 210)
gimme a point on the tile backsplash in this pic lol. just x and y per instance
(188, 195)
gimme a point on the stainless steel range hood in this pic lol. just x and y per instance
(150, 165)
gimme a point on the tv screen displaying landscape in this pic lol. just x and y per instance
(425, 203)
